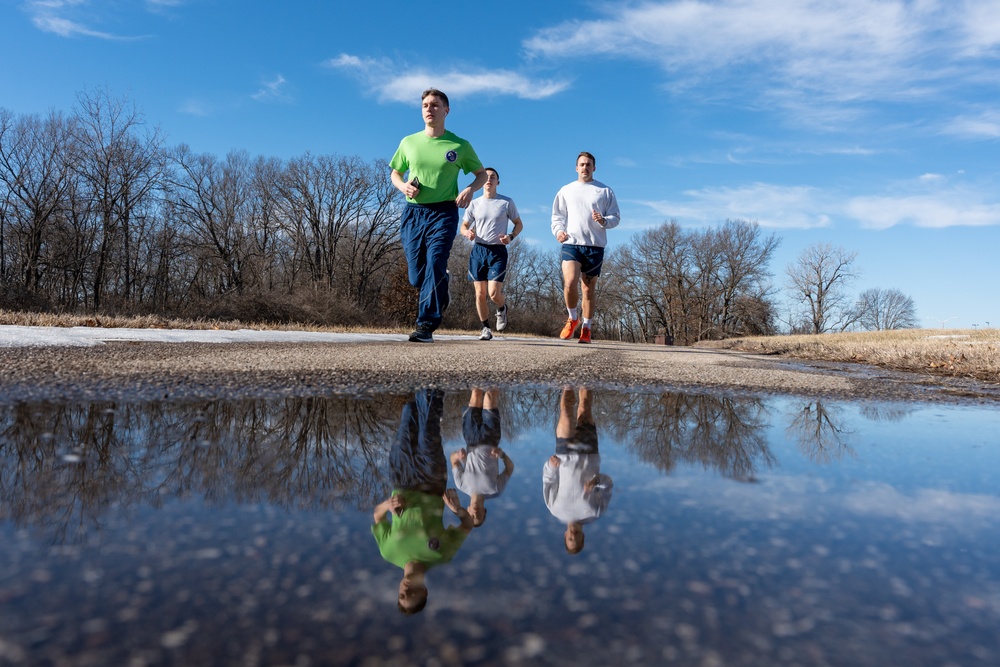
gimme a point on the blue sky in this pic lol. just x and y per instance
(871, 125)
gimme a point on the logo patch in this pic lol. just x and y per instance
(451, 156)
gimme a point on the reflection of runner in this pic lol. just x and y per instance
(576, 492)
(476, 467)
(415, 539)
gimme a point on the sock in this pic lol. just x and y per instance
(586, 321)
(500, 310)
(486, 324)
(573, 315)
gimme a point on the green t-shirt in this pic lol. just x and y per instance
(406, 538)
(435, 161)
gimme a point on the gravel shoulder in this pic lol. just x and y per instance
(179, 371)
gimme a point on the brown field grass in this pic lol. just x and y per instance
(969, 353)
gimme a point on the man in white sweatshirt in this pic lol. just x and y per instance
(576, 491)
(582, 212)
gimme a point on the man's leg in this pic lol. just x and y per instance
(482, 307)
(571, 280)
(416, 460)
(438, 238)
(571, 294)
(476, 398)
(589, 296)
(410, 228)
(496, 294)
(567, 416)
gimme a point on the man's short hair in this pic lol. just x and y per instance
(415, 609)
(585, 154)
(494, 171)
(482, 518)
(577, 549)
(436, 93)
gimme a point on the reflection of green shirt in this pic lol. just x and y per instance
(435, 161)
(404, 539)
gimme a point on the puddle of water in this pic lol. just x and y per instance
(715, 531)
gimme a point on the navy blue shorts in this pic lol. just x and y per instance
(589, 257)
(481, 427)
(488, 262)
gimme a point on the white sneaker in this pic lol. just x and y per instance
(486, 335)
(501, 319)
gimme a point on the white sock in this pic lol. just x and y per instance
(586, 321)
(573, 315)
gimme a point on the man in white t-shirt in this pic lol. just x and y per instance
(485, 224)
(582, 212)
(476, 467)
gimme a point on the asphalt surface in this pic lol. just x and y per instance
(178, 371)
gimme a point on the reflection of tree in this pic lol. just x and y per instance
(719, 432)
(63, 466)
(877, 412)
(815, 430)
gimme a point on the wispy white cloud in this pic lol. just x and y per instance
(775, 206)
(72, 18)
(775, 498)
(985, 125)
(195, 108)
(929, 200)
(823, 57)
(273, 91)
(383, 79)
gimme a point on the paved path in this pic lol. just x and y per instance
(157, 370)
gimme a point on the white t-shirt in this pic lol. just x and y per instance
(480, 473)
(489, 217)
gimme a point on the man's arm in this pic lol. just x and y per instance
(465, 196)
(382, 510)
(454, 504)
(402, 185)
(518, 226)
(559, 218)
(466, 229)
(612, 216)
(508, 465)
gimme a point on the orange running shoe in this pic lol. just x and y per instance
(584, 335)
(568, 328)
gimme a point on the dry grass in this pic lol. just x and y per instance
(154, 322)
(970, 353)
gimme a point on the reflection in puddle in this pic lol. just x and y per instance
(529, 526)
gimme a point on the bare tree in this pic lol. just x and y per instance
(744, 289)
(121, 166)
(818, 280)
(34, 178)
(884, 309)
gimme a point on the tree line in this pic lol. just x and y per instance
(99, 215)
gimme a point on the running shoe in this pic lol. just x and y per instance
(486, 334)
(569, 328)
(422, 335)
(585, 335)
(502, 319)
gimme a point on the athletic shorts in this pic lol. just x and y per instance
(589, 257)
(481, 427)
(488, 262)
(583, 439)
